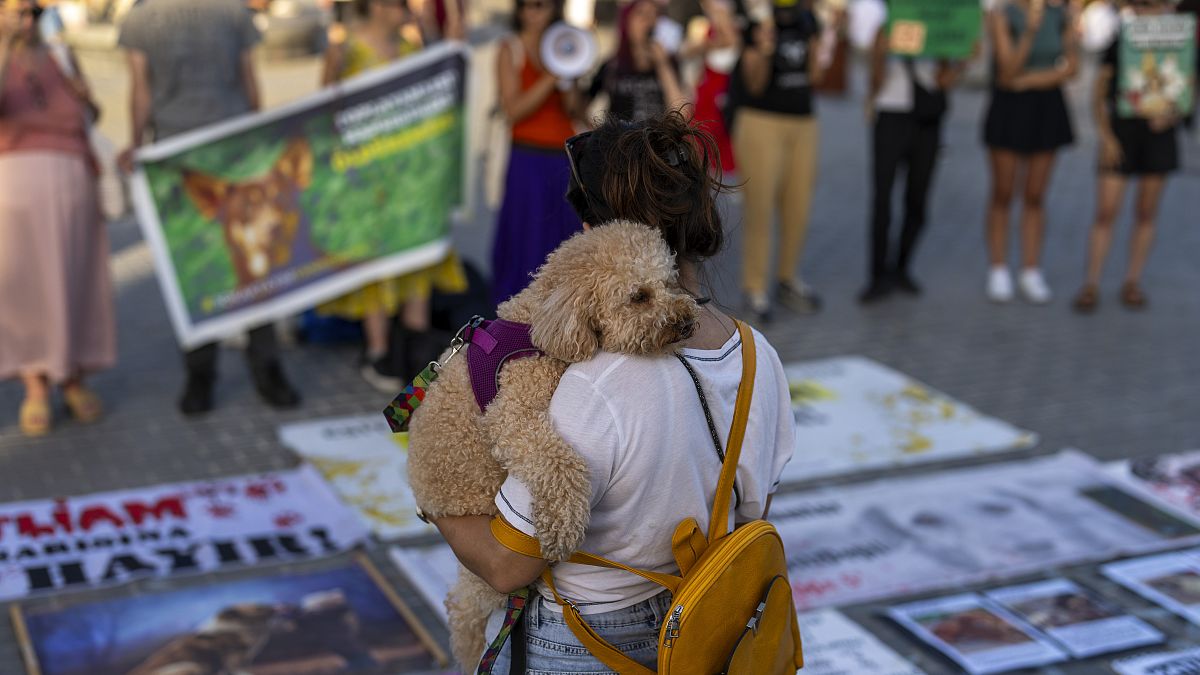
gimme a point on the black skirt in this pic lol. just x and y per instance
(1143, 150)
(1028, 122)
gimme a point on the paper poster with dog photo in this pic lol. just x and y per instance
(341, 620)
(1157, 66)
(1170, 580)
(854, 414)
(977, 634)
(1077, 619)
(269, 214)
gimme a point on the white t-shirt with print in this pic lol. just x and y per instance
(639, 425)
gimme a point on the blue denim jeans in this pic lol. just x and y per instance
(551, 647)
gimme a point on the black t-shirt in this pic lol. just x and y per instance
(789, 90)
(632, 95)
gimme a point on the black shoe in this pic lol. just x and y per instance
(197, 396)
(905, 283)
(876, 291)
(273, 387)
(798, 297)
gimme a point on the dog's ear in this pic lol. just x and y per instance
(295, 165)
(561, 325)
(206, 192)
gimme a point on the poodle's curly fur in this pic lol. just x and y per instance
(613, 288)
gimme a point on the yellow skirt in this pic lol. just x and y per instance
(389, 295)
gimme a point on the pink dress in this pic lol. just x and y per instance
(56, 303)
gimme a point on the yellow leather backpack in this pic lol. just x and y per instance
(732, 610)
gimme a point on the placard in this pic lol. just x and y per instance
(1171, 580)
(1184, 662)
(1173, 479)
(1157, 66)
(835, 645)
(948, 29)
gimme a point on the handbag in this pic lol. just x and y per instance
(928, 106)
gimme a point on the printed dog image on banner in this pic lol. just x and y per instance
(343, 620)
(265, 229)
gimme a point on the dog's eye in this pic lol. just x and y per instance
(640, 297)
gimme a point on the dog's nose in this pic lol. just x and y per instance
(686, 328)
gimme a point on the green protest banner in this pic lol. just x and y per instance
(272, 213)
(946, 29)
(1157, 66)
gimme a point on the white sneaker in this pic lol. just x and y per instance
(999, 285)
(1033, 286)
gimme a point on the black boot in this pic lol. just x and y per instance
(273, 387)
(197, 396)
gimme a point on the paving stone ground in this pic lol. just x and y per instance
(1116, 384)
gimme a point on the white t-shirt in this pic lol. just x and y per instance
(639, 425)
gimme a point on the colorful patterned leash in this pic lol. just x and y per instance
(516, 609)
(400, 411)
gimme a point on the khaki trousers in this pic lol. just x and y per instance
(777, 158)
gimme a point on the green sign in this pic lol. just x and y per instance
(270, 214)
(1157, 66)
(946, 29)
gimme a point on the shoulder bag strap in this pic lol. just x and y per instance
(718, 524)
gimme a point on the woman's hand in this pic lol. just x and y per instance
(658, 55)
(1161, 123)
(1110, 151)
(764, 39)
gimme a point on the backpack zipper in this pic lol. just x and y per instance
(673, 627)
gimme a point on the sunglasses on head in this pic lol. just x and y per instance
(573, 147)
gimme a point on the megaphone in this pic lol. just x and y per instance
(568, 52)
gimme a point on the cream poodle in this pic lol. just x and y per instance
(613, 288)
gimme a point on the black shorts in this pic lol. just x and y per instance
(1028, 122)
(1143, 151)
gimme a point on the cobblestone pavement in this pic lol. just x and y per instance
(1116, 384)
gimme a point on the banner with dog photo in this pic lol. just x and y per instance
(917, 534)
(110, 538)
(854, 414)
(341, 620)
(269, 214)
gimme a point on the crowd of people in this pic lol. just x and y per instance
(748, 74)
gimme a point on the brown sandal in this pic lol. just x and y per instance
(1132, 295)
(1087, 300)
(85, 406)
(35, 417)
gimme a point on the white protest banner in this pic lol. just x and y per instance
(976, 634)
(1172, 478)
(1079, 621)
(165, 530)
(432, 570)
(853, 413)
(1185, 662)
(1171, 580)
(901, 536)
(366, 464)
(835, 645)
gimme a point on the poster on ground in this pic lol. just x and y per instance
(1084, 624)
(1170, 580)
(1183, 662)
(367, 466)
(432, 570)
(1157, 66)
(892, 537)
(269, 214)
(1172, 478)
(854, 414)
(976, 634)
(946, 29)
(339, 621)
(835, 645)
(104, 539)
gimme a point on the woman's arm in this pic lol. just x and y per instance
(250, 80)
(673, 96)
(517, 104)
(1010, 58)
(756, 60)
(470, 537)
(333, 63)
(1110, 149)
(816, 72)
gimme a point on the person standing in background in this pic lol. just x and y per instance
(56, 301)
(906, 105)
(1027, 122)
(192, 64)
(642, 79)
(719, 49)
(1131, 148)
(534, 217)
(772, 93)
(386, 364)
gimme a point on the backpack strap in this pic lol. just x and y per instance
(718, 524)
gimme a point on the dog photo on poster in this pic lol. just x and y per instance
(343, 620)
(272, 213)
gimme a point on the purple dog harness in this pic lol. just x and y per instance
(490, 345)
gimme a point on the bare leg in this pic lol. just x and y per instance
(416, 314)
(1149, 197)
(376, 330)
(37, 388)
(1004, 173)
(1110, 193)
(1033, 216)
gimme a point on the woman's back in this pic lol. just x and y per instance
(640, 426)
